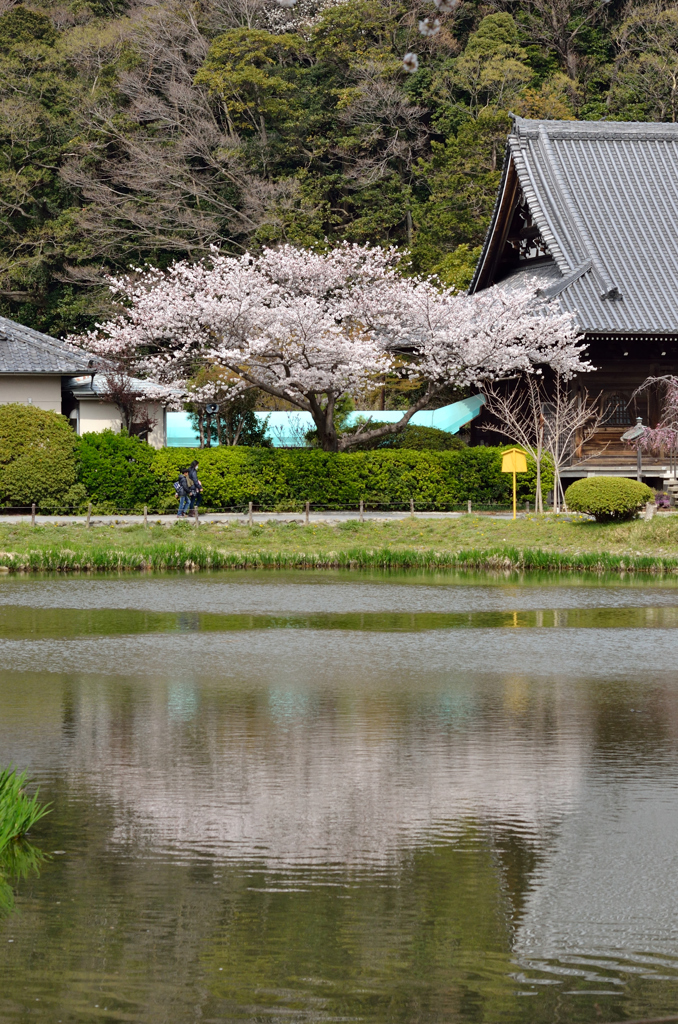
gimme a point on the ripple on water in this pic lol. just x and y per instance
(465, 824)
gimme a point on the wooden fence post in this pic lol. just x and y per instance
(362, 509)
(89, 514)
(195, 515)
(468, 508)
(145, 515)
(33, 514)
(249, 517)
(308, 506)
(412, 507)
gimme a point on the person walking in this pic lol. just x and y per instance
(183, 489)
(196, 486)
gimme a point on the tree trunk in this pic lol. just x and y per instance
(540, 456)
(324, 421)
(208, 430)
(236, 436)
(201, 427)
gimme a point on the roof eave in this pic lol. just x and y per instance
(499, 225)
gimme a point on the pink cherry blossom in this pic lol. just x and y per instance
(308, 327)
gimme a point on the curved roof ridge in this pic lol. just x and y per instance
(610, 290)
(15, 331)
(553, 231)
(656, 130)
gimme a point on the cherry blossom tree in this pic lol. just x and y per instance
(309, 327)
(662, 439)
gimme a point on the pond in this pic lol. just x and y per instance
(332, 797)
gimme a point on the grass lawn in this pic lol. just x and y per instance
(548, 542)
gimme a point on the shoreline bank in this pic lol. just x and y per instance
(531, 544)
(196, 558)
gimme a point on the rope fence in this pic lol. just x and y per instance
(249, 509)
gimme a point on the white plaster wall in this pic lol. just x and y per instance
(158, 436)
(96, 416)
(31, 389)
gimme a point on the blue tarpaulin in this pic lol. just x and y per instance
(287, 429)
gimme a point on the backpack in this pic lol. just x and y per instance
(178, 486)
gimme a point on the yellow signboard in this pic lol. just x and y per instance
(514, 461)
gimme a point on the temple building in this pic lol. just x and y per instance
(590, 210)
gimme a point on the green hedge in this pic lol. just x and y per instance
(121, 473)
(118, 471)
(279, 478)
(40, 456)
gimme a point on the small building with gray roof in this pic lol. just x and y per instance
(37, 369)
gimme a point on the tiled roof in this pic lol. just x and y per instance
(23, 350)
(604, 195)
(96, 386)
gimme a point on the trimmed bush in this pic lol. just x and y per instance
(38, 457)
(117, 471)
(277, 478)
(607, 498)
(122, 473)
(415, 438)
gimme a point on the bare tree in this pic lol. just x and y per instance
(549, 420)
(557, 24)
(169, 173)
(130, 401)
(520, 412)
(392, 129)
(570, 421)
(646, 70)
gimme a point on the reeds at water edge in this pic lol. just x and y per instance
(18, 812)
(178, 556)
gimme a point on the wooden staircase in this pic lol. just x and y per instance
(606, 448)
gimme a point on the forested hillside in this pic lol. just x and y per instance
(134, 133)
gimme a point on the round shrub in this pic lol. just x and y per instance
(38, 457)
(607, 498)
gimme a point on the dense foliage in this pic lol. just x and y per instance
(38, 458)
(416, 438)
(608, 497)
(117, 470)
(135, 132)
(122, 473)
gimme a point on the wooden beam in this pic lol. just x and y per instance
(500, 228)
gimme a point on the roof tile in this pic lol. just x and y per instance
(23, 350)
(607, 192)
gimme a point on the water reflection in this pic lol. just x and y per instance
(454, 820)
(19, 860)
